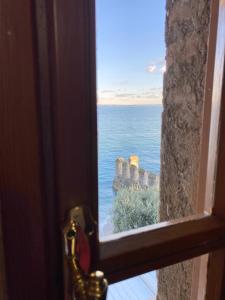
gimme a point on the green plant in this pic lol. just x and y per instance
(135, 208)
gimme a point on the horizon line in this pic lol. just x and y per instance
(129, 104)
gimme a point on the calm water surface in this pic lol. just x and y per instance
(123, 131)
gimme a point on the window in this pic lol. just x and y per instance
(56, 111)
(126, 254)
(137, 251)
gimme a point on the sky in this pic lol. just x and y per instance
(130, 51)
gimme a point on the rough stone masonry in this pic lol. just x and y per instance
(187, 23)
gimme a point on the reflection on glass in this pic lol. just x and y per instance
(130, 67)
(143, 287)
(176, 282)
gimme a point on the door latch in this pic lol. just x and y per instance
(85, 285)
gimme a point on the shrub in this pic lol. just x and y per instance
(135, 208)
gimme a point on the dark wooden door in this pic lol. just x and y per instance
(31, 237)
(47, 135)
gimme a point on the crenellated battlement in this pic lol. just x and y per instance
(128, 174)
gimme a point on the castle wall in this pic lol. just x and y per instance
(119, 166)
(126, 170)
(130, 175)
(134, 174)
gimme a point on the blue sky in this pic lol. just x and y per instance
(130, 51)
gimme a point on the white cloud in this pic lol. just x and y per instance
(157, 67)
(163, 69)
(151, 68)
(134, 96)
(107, 91)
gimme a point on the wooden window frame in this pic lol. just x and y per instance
(58, 92)
(153, 247)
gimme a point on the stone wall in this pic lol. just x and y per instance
(187, 23)
(128, 174)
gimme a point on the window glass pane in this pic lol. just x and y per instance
(143, 287)
(130, 69)
(175, 282)
(151, 62)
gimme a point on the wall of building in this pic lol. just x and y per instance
(187, 23)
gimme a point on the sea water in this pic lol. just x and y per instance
(123, 131)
